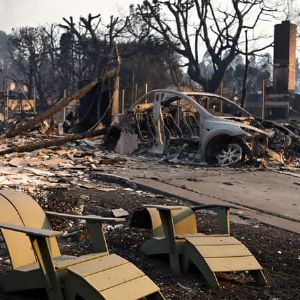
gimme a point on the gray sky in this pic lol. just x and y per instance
(17, 13)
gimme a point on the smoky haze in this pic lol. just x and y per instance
(18, 13)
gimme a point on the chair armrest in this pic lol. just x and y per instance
(223, 215)
(87, 218)
(34, 232)
(41, 248)
(163, 207)
(93, 224)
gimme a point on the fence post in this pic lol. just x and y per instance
(123, 101)
(263, 100)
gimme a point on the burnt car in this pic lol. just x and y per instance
(201, 127)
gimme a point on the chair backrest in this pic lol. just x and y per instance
(184, 221)
(17, 208)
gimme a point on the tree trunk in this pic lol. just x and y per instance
(30, 83)
(244, 88)
(209, 85)
(42, 99)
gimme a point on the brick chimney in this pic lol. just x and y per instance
(284, 71)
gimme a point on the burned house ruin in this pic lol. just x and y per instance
(280, 102)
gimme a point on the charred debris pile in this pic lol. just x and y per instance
(198, 127)
(181, 127)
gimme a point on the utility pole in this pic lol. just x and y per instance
(135, 92)
(222, 88)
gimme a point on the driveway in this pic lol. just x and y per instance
(271, 197)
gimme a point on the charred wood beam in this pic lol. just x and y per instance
(53, 142)
(31, 123)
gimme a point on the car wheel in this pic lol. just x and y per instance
(229, 155)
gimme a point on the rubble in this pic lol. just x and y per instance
(127, 143)
(169, 126)
(120, 212)
(73, 163)
(51, 142)
(48, 122)
(31, 123)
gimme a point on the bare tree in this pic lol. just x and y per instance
(92, 41)
(55, 58)
(190, 26)
(291, 11)
(81, 39)
(30, 53)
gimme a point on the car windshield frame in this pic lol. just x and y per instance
(190, 97)
(244, 113)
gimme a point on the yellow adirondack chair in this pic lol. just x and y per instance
(174, 232)
(37, 262)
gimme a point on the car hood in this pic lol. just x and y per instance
(232, 125)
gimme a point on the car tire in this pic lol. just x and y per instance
(229, 154)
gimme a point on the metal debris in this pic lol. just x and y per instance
(120, 212)
(197, 127)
